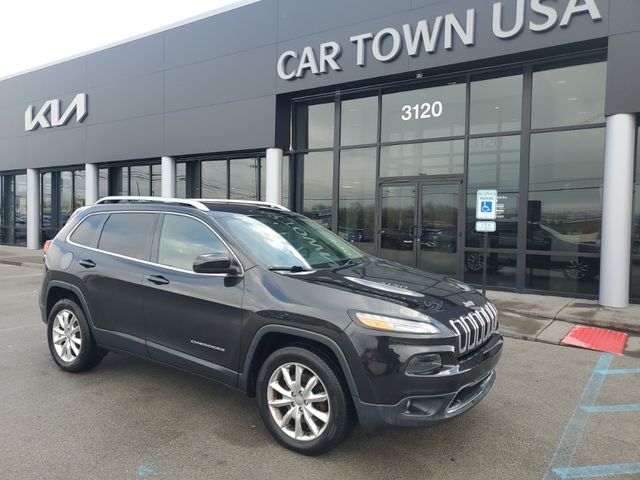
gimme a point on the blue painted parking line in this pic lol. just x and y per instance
(619, 371)
(596, 471)
(628, 407)
(566, 449)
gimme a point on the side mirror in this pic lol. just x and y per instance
(219, 263)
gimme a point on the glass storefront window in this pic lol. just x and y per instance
(65, 201)
(124, 181)
(140, 180)
(501, 269)
(20, 215)
(426, 113)
(359, 123)
(213, 176)
(569, 96)
(496, 105)
(156, 180)
(79, 185)
(315, 126)
(243, 178)
(565, 191)
(356, 212)
(494, 162)
(317, 186)
(566, 274)
(285, 180)
(635, 227)
(103, 182)
(181, 180)
(433, 158)
(47, 206)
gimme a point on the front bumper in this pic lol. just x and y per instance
(468, 384)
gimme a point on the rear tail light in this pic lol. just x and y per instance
(46, 246)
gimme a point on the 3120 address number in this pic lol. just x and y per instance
(422, 111)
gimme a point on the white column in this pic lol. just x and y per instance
(33, 209)
(92, 183)
(617, 210)
(168, 177)
(273, 172)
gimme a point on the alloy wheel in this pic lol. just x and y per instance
(298, 402)
(66, 335)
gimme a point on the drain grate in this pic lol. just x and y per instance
(600, 339)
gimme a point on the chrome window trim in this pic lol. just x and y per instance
(146, 262)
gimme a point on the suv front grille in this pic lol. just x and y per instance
(475, 328)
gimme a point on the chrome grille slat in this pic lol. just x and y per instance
(475, 328)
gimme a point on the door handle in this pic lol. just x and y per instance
(158, 279)
(87, 263)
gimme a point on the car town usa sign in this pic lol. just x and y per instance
(428, 34)
(49, 114)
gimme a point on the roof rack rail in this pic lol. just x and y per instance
(196, 203)
(176, 201)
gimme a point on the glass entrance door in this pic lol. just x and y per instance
(420, 223)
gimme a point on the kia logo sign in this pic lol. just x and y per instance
(49, 115)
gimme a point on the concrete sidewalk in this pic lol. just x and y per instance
(21, 256)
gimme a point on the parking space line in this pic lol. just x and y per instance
(619, 371)
(566, 448)
(598, 471)
(629, 407)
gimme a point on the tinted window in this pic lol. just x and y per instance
(127, 234)
(433, 158)
(496, 105)
(243, 178)
(359, 121)
(214, 179)
(569, 96)
(140, 180)
(317, 186)
(86, 234)
(315, 126)
(183, 239)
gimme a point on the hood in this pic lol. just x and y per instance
(429, 293)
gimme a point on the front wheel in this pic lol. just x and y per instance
(303, 400)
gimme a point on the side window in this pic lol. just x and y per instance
(86, 234)
(127, 234)
(183, 239)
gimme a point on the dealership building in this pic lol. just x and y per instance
(379, 119)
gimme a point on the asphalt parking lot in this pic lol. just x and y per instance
(554, 412)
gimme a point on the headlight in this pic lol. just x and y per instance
(393, 324)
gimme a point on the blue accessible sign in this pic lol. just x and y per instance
(486, 204)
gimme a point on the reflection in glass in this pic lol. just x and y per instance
(496, 105)
(20, 212)
(79, 184)
(124, 180)
(140, 180)
(243, 178)
(156, 180)
(213, 175)
(569, 96)
(566, 274)
(317, 187)
(565, 191)
(397, 227)
(359, 124)
(433, 158)
(181, 180)
(47, 207)
(494, 163)
(103, 182)
(501, 269)
(356, 212)
(65, 199)
(314, 126)
(635, 229)
(439, 229)
(425, 113)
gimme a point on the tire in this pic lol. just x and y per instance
(333, 418)
(71, 342)
(579, 270)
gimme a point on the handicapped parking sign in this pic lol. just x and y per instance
(486, 201)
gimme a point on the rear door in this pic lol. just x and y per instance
(112, 275)
(193, 320)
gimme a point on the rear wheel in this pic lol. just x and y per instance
(71, 343)
(303, 400)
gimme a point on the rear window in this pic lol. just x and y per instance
(127, 234)
(86, 234)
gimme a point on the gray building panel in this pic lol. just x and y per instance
(230, 32)
(300, 19)
(136, 138)
(625, 16)
(623, 74)
(13, 152)
(137, 58)
(13, 91)
(11, 121)
(57, 80)
(243, 125)
(223, 79)
(65, 146)
(134, 97)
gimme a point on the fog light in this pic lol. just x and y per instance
(424, 364)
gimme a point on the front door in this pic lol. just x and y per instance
(420, 223)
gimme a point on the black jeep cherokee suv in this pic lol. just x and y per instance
(268, 302)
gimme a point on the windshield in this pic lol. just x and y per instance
(282, 240)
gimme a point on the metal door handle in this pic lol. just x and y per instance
(87, 263)
(158, 279)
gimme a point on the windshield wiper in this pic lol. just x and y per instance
(292, 269)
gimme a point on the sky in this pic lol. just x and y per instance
(37, 32)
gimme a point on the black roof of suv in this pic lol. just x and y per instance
(271, 303)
